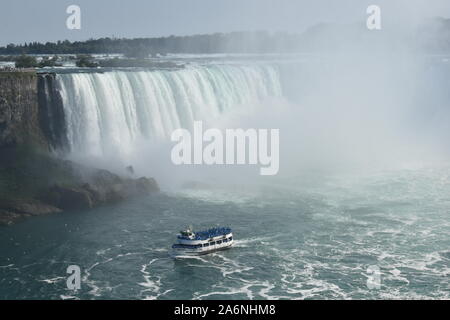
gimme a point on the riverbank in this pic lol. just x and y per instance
(34, 184)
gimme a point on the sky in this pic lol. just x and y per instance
(45, 20)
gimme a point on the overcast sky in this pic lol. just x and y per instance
(45, 20)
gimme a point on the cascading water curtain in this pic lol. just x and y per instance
(116, 108)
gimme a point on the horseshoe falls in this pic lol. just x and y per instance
(115, 109)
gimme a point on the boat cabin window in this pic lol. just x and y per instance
(187, 246)
(230, 238)
(219, 241)
(212, 243)
(206, 244)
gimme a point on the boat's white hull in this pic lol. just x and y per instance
(180, 252)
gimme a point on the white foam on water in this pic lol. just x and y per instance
(245, 289)
(243, 243)
(152, 283)
(228, 266)
(53, 280)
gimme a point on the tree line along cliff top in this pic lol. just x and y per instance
(431, 36)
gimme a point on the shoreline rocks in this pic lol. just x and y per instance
(19, 209)
(88, 196)
(52, 185)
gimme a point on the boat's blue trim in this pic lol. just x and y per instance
(186, 246)
(205, 235)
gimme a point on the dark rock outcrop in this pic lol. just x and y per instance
(21, 208)
(33, 207)
(35, 184)
(88, 195)
(146, 185)
(69, 198)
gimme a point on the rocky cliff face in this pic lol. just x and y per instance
(19, 110)
(33, 179)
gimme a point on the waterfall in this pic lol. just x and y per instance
(117, 108)
(51, 112)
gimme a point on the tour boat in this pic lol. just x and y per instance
(190, 243)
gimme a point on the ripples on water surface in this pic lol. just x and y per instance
(293, 243)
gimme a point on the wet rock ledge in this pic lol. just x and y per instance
(33, 184)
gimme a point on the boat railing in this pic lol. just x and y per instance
(205, 235)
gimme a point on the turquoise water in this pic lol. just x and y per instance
(309, 240)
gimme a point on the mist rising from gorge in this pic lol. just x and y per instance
(357, 101)
(337, 114)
